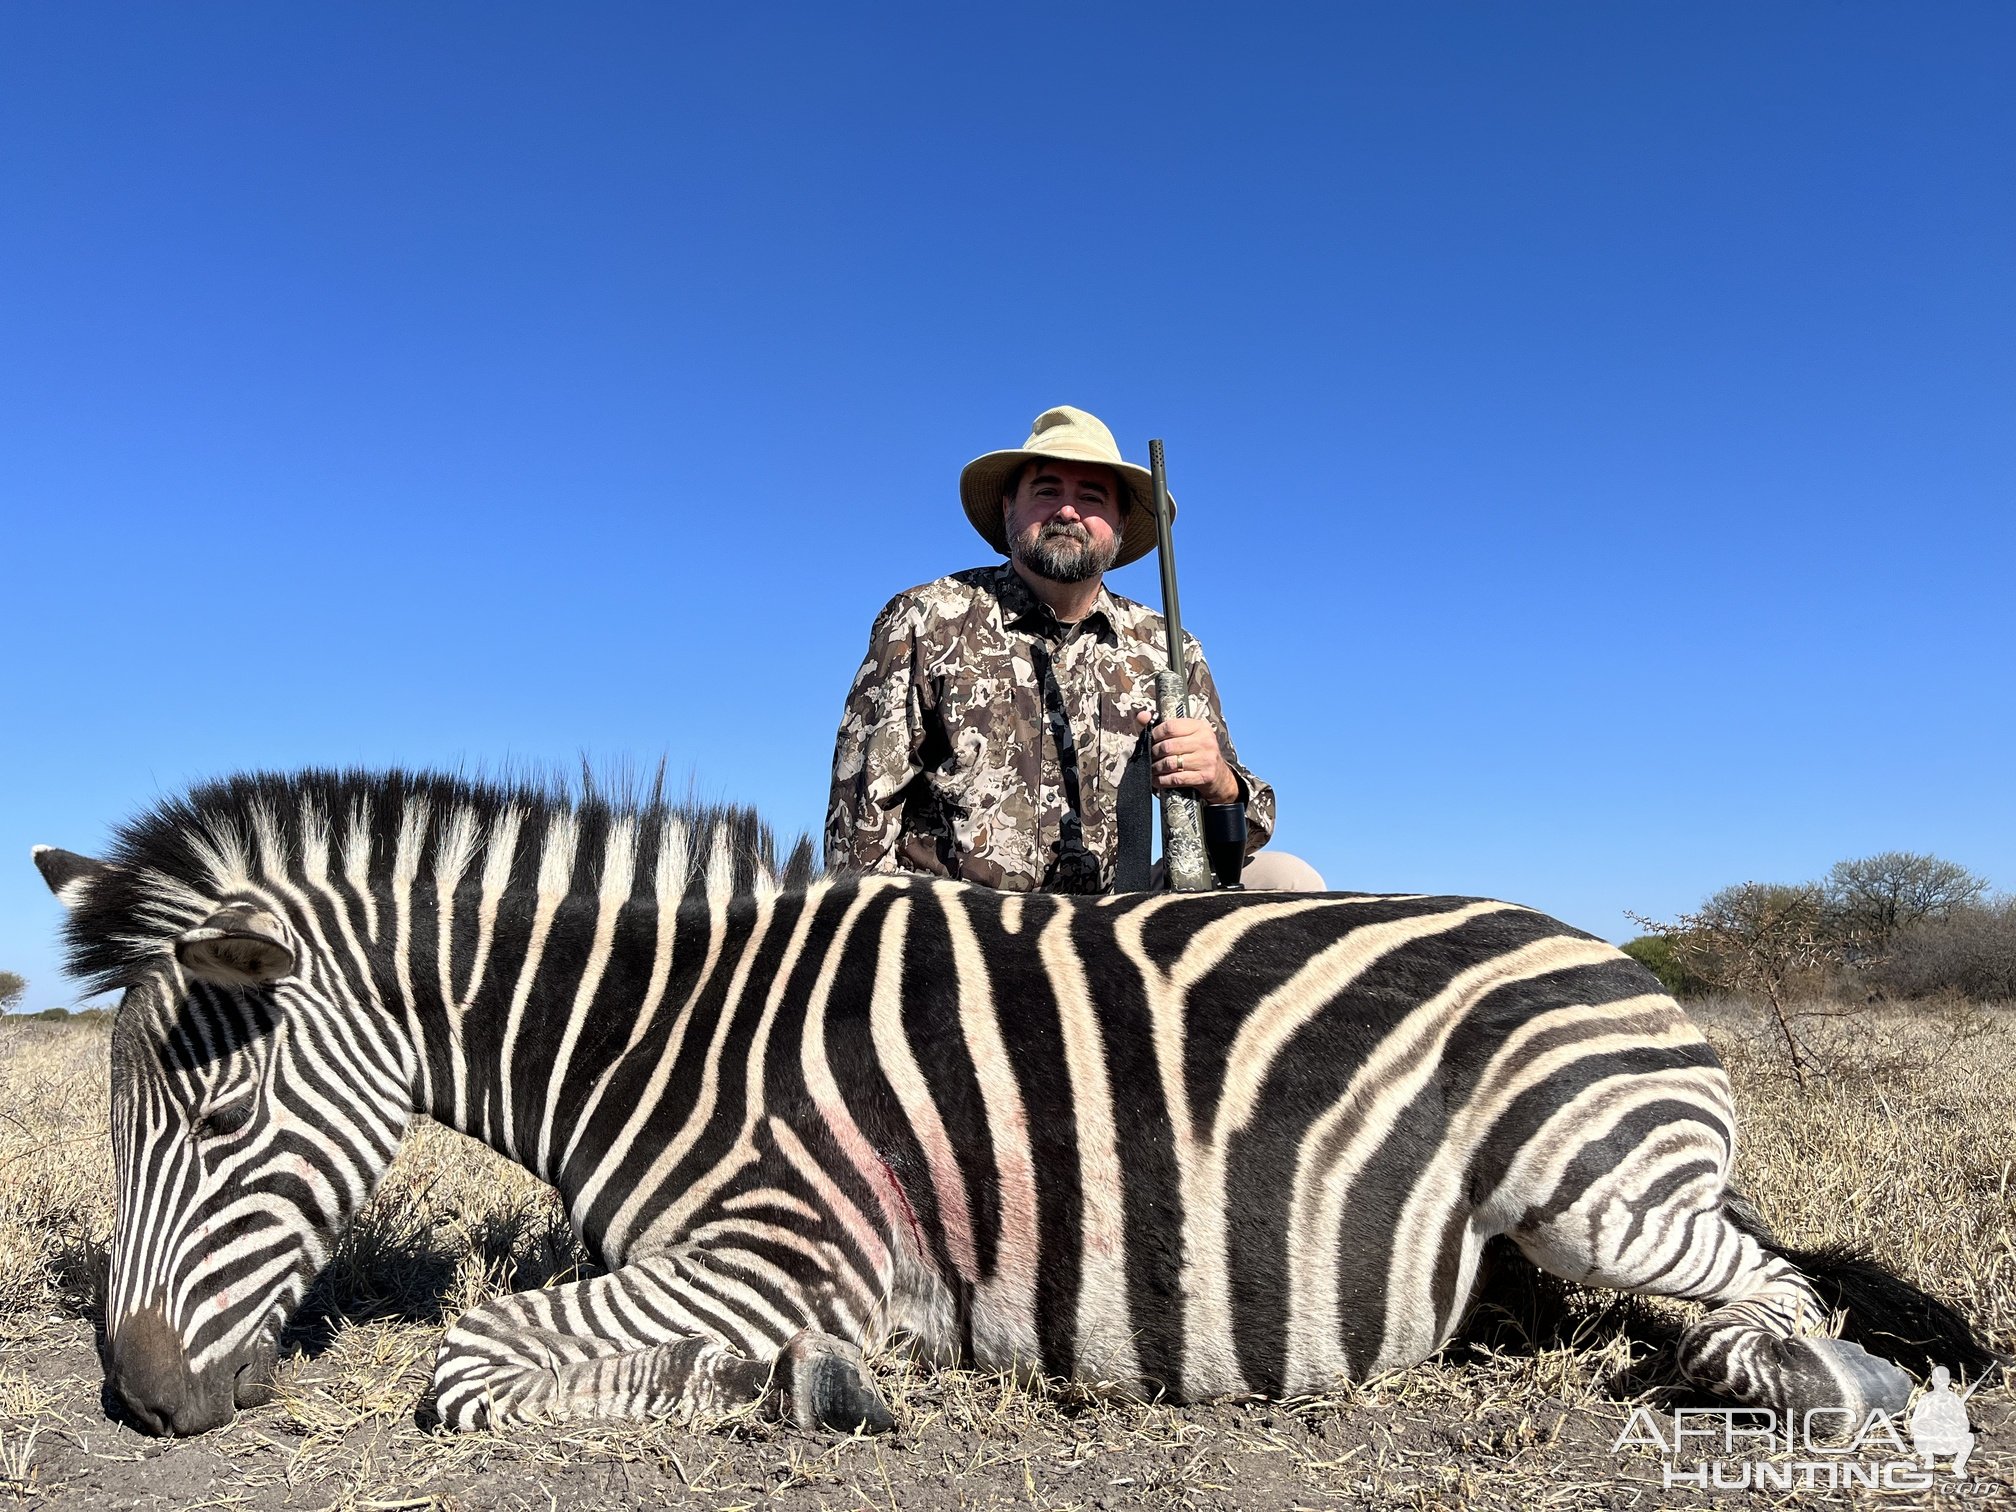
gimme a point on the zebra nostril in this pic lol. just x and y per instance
(252, 1386)
(143, 1417)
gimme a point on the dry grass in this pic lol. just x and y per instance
(1904, 1146)
(55, 1172)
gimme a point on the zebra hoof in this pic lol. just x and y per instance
(822, 1382)
(1839, 1375)
(1881, 1385)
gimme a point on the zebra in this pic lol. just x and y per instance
(1181, 1145)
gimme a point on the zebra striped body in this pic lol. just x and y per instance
(1188, 1144)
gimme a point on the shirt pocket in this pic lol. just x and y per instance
(986, 777)
(986, 723)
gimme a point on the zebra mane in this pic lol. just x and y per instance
(171, 867)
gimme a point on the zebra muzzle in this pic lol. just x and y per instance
(149, 1373)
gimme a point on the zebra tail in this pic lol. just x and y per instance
(1886, 1314)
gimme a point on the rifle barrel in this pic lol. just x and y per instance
(1172, 614)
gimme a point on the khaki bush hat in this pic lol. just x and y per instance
(1071, 435)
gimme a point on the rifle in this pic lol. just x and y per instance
(1182, 825)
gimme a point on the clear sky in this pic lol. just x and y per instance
(1592, 422)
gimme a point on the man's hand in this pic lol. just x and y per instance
(1186, 756)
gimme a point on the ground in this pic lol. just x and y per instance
(1904, 1145)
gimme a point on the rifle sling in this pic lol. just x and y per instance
(1135, 821)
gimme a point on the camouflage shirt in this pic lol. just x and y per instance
(985, 740)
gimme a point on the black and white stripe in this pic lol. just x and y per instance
(1187, 1144)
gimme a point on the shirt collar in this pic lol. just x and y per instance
(1019, 604)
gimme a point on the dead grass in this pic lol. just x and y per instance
(1904, 1145)
(55, 1172)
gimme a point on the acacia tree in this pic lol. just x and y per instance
(12, 986)
(1873, 900)
(1758, 939)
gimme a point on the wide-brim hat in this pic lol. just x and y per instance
(1069, 434)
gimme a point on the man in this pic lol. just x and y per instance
(987, 731)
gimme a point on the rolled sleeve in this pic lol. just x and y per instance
(1257, 795)
(875, 756)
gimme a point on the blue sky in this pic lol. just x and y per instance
(1593, 423)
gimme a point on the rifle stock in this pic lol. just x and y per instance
(1182, 823)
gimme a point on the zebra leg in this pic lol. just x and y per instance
(1768, 1343)
(1656, 1223)
(642, 1342)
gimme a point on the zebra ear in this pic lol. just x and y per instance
(239, 946)
(68, 874)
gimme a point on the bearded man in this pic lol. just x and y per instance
(988, 730)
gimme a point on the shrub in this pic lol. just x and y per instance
(1969, 953)
(1664, 958)
(1762, 940)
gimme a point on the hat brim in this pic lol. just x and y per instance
(984, 478)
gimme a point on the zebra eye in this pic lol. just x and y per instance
(225, 1119)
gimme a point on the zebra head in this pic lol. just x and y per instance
(252, 1114)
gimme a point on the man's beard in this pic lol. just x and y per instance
(1064, 553)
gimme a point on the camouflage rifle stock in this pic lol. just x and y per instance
(1182, 826)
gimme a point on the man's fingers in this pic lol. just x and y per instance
(1188, 764)
(1185, 754)
(1192, 746)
